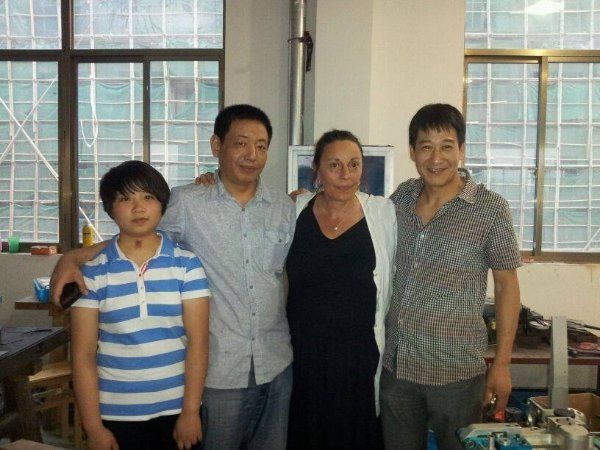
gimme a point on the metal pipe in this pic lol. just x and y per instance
(297, 55)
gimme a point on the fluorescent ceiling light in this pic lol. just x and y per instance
(544, 7)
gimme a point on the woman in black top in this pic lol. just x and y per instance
(332, 307)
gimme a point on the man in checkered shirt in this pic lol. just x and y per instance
(451, 231)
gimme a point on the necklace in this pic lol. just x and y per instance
(344, 215)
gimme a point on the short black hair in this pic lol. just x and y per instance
(240, 112)
(330, 137)
(129, 177)
(437, 116)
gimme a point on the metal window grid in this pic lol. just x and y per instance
(34, 49)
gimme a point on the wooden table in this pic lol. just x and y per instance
(538, 352)
(24, 347)
(60, 318)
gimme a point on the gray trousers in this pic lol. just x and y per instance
(408, 409)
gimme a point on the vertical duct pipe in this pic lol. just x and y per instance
(297, 56)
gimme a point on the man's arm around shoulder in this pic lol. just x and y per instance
(67, 269)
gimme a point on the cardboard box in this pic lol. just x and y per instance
(588, 404)
(43, 250)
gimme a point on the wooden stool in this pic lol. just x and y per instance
(51, 390)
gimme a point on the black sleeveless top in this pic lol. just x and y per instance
(331, 312)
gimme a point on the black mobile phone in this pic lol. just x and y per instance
(70, 294)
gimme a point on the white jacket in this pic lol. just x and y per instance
(381, 220)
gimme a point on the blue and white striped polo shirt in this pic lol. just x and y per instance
(141, 338)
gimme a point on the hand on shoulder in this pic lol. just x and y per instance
(294, 194)
(206, 179)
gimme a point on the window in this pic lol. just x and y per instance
(138, 79)
(532, 105)
(29, 155)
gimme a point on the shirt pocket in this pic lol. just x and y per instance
(275, 250)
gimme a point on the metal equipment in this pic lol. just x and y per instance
(559, 433)
(557, 427)
(556, 432)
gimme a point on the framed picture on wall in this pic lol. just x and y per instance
(378, 169)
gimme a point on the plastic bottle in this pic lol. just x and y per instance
(87, 234)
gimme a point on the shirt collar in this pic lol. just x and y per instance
(166, 248)
(263, 193)
(468, 191)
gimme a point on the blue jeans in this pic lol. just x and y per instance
(252, 418)
(407, 409)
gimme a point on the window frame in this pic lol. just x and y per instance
(68, 59)
(542, 58)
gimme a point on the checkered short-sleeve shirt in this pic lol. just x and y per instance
(434, 326)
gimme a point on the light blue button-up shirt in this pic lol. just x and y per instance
(243, 250)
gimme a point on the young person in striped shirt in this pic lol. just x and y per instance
(140, 334)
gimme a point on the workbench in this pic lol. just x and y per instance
(538, 352)
(21, 351)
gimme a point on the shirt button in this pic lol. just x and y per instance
(253, 339)
(243, 209)
(251, 287)
(253, 314)
(247, 261)
(422, 236)
(244, 234)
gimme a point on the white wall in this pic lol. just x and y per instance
(256, 70)
(16, 281)
(417, 58)
(559, 289)
(342, 66)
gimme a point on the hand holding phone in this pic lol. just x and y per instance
(70, 294)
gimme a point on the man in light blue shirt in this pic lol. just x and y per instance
(242, 231)
(244, 247)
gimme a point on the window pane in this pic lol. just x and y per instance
(30, 24)
(110, 131)
(528, 24)
(502, 102)
(185, 102)
(29, 150)
(572, 177)
(148, 24)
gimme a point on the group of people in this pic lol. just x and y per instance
(182, 333)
